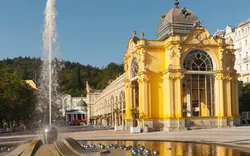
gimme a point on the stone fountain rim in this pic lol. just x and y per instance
(226, 145)
(203, 142)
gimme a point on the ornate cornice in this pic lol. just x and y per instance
(153, 47)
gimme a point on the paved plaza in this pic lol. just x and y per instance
(237, 136)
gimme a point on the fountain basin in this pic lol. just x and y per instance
(69, 146)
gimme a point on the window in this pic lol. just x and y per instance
(240, 68)
(198, 60)
(246, 54)
(246, 66)
(242, 31)
(245, 42)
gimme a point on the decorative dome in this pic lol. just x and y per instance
(82, 103)
(176, 21)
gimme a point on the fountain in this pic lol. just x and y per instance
(48, 89)
(48, 94)
(70, 147)
(50, 134)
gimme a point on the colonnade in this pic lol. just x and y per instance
(109, 107)
(111, 114)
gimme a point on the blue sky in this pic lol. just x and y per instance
(96, 32)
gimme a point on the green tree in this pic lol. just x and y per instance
(72, 78)
(78, 82)
(17, 99)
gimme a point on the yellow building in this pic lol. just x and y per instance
(184, 79)
(33, 85)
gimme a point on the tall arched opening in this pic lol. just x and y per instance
(198, 85)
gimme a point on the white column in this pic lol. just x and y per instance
(66, 117)
(119, 117)
(123, 113)
(115, 118)
(112, 117)
(81, 116)
(189, 106)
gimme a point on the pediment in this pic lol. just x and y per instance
(200, 36)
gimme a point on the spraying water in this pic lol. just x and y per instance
(48, 90)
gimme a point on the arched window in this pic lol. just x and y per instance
(198, 84)
(198, 60)
(134, 68)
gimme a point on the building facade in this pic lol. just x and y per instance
(92, 96)
(33, 85)
(108, 106)
(240, 37)
(184, 79)
(74, 108)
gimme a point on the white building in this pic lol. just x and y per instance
(74, 108)
(240, 37)
(107, 107)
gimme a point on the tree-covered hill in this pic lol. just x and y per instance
(73, 77)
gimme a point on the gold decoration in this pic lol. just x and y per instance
(223, 77)
(179, 51)
(221, 53)
(171, 53)
(143, 78)
(229, 78)
(176, 76)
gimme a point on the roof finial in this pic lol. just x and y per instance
(176, 3)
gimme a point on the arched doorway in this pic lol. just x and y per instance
(198, 85)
